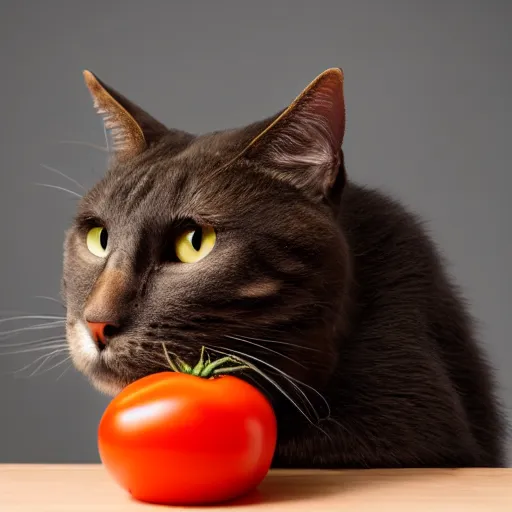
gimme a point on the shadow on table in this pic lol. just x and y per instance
(281, 487)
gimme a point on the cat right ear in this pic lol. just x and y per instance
(302, 145)
(130, 129)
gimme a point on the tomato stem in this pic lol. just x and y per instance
(169, 360)
(212, 366)
(198, 368)
(185, 368)
(230, 369)
(204, 369)
(180, 366)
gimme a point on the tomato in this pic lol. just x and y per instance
(177, 438)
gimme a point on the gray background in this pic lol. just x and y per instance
(428, 118)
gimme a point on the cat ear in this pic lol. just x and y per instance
(131, 129)
(303, 144)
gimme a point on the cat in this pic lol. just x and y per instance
(254, 242)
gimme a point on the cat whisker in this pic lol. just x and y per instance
(59, 188)
(282, 373)
(84, 143)
(226, 352)
(299, 382)
(45, 357)
(56, 365)
(52, 169)
(32, 342)
(330, 419)
(49, 298)
(256, 383)
(271, 381)
(48, 346)
(32, 317)
(65, 370)
(266, 348)
(158, 362)
(242, 338)
(51, 367)
(48, 325)
(264, 340)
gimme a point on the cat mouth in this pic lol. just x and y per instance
(104, 368)
(93, 362)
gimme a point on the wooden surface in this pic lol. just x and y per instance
(88, 488)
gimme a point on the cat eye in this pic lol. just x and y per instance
(97, 241)
(195, 243)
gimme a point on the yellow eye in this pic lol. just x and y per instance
(194, 244)
(97, 241)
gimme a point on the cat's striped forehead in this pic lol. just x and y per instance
(195, 184)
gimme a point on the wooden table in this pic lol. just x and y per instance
(88, 488)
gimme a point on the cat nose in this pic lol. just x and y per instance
(101, 332)
(107, 307)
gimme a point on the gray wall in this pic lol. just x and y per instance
(428, 103)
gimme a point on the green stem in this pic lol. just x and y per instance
(198, 368)
(204, 369)
(213, 366)
(230, 369)
(169, 360)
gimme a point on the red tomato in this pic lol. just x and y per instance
(174, 438)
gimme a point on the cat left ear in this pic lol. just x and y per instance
(303, 144)
(131, 129)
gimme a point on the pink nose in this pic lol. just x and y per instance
(98, 332)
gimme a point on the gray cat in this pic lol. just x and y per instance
(253, 242)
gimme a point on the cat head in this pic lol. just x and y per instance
(227, 240)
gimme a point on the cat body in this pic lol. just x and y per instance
(253, 242)
(411, 388)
